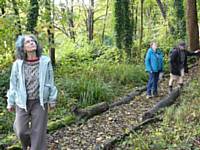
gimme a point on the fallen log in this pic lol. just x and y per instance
(126, 99)
(90, 111)
(165, 102)
(84, 114)
(108, 145)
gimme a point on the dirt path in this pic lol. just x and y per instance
(107, 125)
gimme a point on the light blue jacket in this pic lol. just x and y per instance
(17, 92)
(154, 61)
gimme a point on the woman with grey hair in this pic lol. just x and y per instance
(31, 91)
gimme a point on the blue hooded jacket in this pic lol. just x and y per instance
(154, 60)
(17, 92)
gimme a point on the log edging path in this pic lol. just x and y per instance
(108, 125)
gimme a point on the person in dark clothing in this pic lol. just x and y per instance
(178, 64)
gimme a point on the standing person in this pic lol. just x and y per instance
(178, 64)
(31, 90)
(154, 65)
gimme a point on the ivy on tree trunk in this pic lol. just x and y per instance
(123, 26)
(50, 31)
(181, 22)
(32, 16)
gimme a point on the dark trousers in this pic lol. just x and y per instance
(152, 84)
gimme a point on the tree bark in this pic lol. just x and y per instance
(141, 26)
(90, 111)
(128, 30)
(50, 30)
(104, 24)
(181, 22)
(136, 22)
(18, 23)
(162, 9)
(164, 14)
(32, 16)
(165, 102)
(2, 11)
(70, 12)
(119, 19)
(192, 24)
(126, 99)
(90, 20)
(101, 107)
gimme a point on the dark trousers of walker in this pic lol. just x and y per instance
(31, 126)
(152, 85)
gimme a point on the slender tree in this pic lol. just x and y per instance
(164, 12)
(141, 23)
(90, 20)
(104, 24)
(135, 22)
(2, 7)
(162, 9)
(70, 12)
(32, 16)
(192, 24)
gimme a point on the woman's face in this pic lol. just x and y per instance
(154, 46)
(29, 44)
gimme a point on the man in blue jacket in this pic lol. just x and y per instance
(154, 65)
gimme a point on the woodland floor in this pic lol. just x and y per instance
(109, 124)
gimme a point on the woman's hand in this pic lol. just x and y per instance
(11, 108)
(52, 106)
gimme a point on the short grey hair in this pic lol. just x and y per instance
(20, 53)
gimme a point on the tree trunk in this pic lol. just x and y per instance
(2, 11)
(165, 102)
(163, 12)
(2, 7)
(141, 26)
(180, 15)
(18, 23)
(136, 22)
(104, 24)
(32, 16)
(192, 24)
(119, 19)
(128, 29)
(90, 20)
(70, 12)
(50, 30)
(90, 111)
(162, 9)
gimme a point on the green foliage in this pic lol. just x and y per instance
(4, 115)
(7, 35)
(94, 83)
(88, 90)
